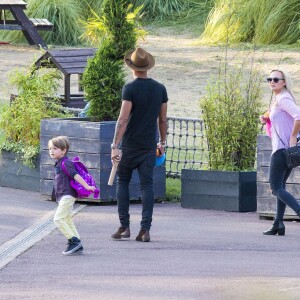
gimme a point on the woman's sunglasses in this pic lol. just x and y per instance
(275, 79)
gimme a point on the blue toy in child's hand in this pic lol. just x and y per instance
(160, 158)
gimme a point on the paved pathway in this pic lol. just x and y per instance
(194, 254)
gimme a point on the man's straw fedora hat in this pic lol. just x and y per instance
(139, 60)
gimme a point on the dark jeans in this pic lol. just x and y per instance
(143, 161)
(279, 174)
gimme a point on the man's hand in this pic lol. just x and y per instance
(116, 155)
(161, 148)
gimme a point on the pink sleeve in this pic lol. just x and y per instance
(289, 106)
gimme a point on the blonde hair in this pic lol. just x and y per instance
(288, 81)
(61, 142)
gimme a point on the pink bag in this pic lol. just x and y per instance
(268, 123)
(268, 128)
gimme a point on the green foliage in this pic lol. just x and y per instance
(20, 121)
(69, 18)
(157, 9)
(231, 110)
(89, 6)
(114, 23)
(103, 81)
(173, 190)
(257, 21)
(104, 77)
(64, 15)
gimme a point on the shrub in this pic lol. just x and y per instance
(20, 121)
(231, 109)
(115, 24)
(104, 77)
(103, 81)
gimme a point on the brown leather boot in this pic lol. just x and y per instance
(143, 236)
(121, 233)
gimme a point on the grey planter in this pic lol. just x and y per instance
(15, 175)
(91, 142)
(218, 190)
(266, 202)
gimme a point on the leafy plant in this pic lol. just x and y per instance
(231, 109)
(103, 81)
(36, 100)
(100, 27)
(104, 76)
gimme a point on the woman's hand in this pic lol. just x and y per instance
(262, 120)
(293, 141)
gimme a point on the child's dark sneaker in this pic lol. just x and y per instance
(122, 232)
(79, 251)
(73, 244)
(143, 236)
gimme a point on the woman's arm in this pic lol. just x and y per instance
(296, 129)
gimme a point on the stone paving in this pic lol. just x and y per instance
(193, 254)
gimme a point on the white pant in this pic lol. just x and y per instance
(63, 217)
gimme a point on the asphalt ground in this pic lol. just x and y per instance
(193, 254)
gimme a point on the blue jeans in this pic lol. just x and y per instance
(144, 162)
(279, 174)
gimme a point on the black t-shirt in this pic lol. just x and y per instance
(147, 96)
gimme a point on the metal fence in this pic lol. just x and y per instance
(186, 145)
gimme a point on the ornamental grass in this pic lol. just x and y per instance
(256, 21)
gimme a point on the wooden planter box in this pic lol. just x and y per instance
(266, 201)
(91, 142)
(218, 190)
(14, 174)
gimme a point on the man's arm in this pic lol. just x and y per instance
(162, 126)
(120, 128)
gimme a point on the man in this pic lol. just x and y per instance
(144, 105)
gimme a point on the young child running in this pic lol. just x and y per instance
(64, 194)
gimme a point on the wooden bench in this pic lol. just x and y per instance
(41, 24)
(19, 21)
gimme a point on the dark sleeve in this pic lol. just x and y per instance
(70, 168)
(126, 93)
(165, 95)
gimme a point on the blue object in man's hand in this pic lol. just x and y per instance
(160, 160)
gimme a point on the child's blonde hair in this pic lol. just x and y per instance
(61, 142)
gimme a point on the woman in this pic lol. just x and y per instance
(285, 126)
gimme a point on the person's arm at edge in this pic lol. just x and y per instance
(295, 131)
(163, 126)
(289, 106)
